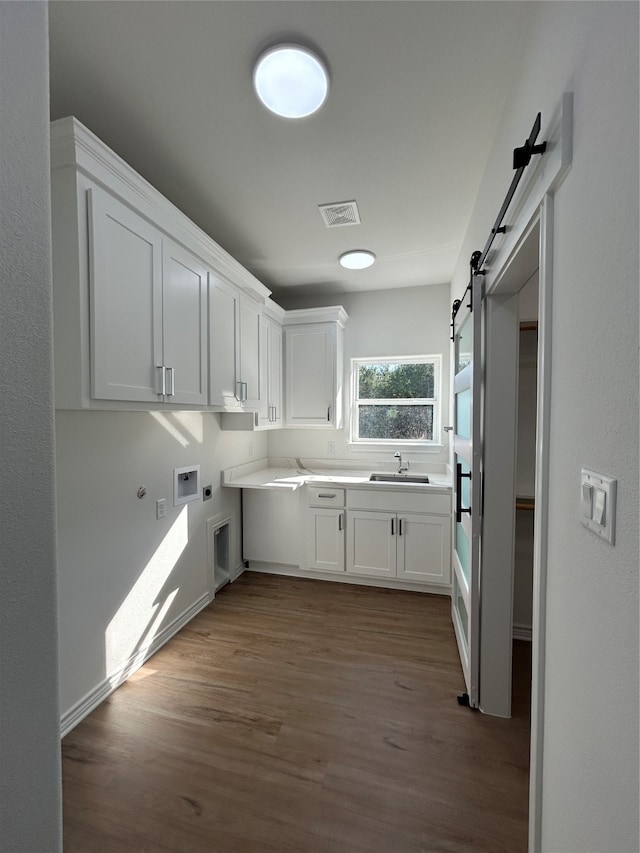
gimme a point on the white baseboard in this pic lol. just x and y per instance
(297, 572)
(522, 632)
(88, 703)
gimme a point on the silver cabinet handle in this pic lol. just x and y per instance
(326, 496)
(328, 413)
(399, 527)
(447, 428)
(340, 522)
(163, 379)
(393, 532)
(172, 385)
(241, 391)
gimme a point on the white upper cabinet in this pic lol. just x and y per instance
(184, 313)
(269, 414)
(249, 391)
(125, 257)
(148, 310)
(314, 367)
(234, 348)
(130, 290)
(224, 336)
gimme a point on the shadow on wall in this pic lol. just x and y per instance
(137, 621)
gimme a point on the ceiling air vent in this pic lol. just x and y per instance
(339, 213)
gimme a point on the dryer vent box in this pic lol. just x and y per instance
(186, 484)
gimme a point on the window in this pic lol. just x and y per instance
(395, 400)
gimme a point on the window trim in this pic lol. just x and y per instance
(436, 401)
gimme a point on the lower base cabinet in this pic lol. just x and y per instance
(325, 539)
(409, 546)
(324, 529)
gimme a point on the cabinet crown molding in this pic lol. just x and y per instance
(330, 314)
(74, 145)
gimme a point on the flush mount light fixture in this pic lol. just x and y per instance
(359, 259)
(291, 81)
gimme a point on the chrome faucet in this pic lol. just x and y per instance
(397, 455)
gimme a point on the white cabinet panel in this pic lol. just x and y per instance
(270, 411)
(234, 348)
(325, 539)
(126, 301)
(424, 549)
(271, 525)
(184, 299)
(249, 375)
(274, 373)
(148, 310)
(310, 375)
(371, 543)
(224, 333)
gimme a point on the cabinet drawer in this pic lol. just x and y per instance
(389, 501)
(327, 496)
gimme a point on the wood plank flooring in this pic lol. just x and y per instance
(300, 716)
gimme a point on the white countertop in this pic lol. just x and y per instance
(263, 475)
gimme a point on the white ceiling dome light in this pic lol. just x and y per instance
(291, 81)
(358, 259)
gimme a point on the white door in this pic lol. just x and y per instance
(465, 599)
(310, 375)
(184, 301)
(371, 543)
(275, 373)
(423, 548)
(326, 539)
(224, 339)
(125, 259)
(250, 334)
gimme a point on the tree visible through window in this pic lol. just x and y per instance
(395, 399)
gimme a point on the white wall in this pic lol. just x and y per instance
(30, 785)
(590, 766)
(407, 321)
(123, 575)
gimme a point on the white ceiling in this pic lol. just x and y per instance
(417, 89)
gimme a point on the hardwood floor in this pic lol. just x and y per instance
(300, 716)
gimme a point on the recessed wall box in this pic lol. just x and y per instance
(186, 484)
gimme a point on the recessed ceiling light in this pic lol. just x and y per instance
(291, 81)
(359, 259)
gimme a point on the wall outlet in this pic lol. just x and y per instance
(331, 447)
(161, 508)
(207, 493)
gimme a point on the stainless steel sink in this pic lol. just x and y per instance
(393, 477)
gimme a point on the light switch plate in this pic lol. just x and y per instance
(603, 491)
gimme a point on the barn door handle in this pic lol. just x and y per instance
(459, 508)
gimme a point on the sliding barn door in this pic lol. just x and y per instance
(465, 602)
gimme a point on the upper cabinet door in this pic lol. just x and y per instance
(224, 341)
(310, 358)
(250, 334)
(184, 300)
(274, 392)
(125, 259)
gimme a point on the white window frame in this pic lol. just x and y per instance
(435, 401)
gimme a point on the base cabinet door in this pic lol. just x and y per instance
(325, 537)
(424, 548)
(371, 543)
